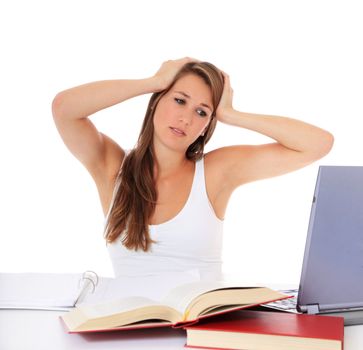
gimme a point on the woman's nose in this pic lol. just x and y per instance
(186, 117)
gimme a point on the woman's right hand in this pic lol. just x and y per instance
(169, 69)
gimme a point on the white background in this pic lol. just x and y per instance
(301, 59)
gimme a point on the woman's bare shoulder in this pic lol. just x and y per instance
(219, 159)
(223, 165)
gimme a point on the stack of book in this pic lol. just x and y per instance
(215, 314)
(234, 325)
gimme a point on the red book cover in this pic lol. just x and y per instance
(271, 326)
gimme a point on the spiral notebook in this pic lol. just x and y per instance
(45, 291)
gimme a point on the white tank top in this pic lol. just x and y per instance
(192, 240)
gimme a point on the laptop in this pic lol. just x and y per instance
(331, 280)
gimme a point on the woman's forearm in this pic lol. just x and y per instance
(84, 100)
(291, 133)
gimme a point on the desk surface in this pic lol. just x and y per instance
(30, 329)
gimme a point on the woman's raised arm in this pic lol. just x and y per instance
(297, 145)
(71, 108)
(100, 154)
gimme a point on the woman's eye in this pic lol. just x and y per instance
(201, 113)
(179, 100)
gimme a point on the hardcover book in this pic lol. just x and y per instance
(182, 305)
(267, 330)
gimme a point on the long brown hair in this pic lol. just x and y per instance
(136, 196)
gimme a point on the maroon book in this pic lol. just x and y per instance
(262, 330)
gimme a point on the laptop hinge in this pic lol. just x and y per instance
(312, 309)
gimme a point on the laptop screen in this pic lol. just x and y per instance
(332, 272)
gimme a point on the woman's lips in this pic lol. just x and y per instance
(177, 131)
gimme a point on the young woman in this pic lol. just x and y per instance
(165, 200)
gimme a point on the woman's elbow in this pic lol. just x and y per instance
(58, 105)
(324, 145)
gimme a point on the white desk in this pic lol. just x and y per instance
(43, 330)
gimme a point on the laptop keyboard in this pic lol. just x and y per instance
(288, 305)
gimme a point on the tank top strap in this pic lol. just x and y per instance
(199, 187)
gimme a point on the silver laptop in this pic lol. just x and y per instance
(332, 273)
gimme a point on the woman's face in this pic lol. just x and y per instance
(183, 113)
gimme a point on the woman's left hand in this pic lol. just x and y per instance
(225, 103)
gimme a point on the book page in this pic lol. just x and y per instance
(180, 297)
(39, 290)
(153, 287)
(115, 306)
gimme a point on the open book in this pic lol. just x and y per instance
(182, 305)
